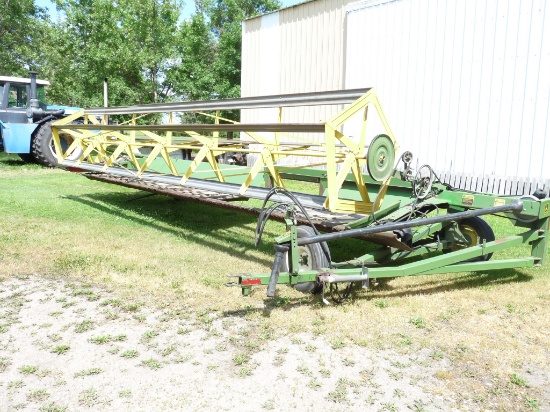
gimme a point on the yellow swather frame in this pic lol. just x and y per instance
(103, 143)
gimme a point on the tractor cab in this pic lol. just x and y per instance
(17, 90)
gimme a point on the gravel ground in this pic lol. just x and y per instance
(74, 347)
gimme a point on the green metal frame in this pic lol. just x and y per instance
(535, 218)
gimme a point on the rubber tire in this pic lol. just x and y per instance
(484, 232)
(317, 256)
(41, 145)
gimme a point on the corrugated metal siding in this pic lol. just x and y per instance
(298, 49)
(465, 84)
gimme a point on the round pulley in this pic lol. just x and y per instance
(423, 181)
(380, 157)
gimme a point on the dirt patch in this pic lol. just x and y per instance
(66, 346)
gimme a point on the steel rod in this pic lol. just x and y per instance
(280, 250)
(284, 100)
(238, 127)
(515, 206)
(331, 278)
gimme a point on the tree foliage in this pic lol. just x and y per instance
(192, 76)
(209, 49)
(22, 26)
(145, 49)
(217, 25)
(130, 43)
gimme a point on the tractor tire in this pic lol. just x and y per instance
(311, 257)
(42, 148)
(475, 230)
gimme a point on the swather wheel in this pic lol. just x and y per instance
(475, 230)
(311, 257)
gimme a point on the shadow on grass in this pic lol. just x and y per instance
(474, 280)
(194, 222)
(17, 162)
(275, 304)
(13, 162)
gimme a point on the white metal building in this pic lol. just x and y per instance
(465, 84)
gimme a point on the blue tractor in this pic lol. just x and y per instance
(25, 120)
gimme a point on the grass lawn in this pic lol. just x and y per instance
(492, 327)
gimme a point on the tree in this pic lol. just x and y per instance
(130, 43)
(210, 51)
(22, 26)
(193, 76)
(140, 46)
(153, 25)
(226, 17)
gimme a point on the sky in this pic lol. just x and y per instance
(188, 8)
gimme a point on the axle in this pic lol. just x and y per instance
(515, 206)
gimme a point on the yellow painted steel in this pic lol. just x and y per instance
(126, 143)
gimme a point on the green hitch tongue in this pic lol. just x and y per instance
(280, 250)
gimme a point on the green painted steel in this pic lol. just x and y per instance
(231, 173)
(380, 157)
(437, 264)
(539, 245)
(425, 257)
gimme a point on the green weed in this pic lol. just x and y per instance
(310, 348)
(325, 373)
(88, 372)
(314, 384)
(53, 407)
(28, 369)
(151, 363)
(148, 336)
(168, 350)
(61, 349)
(100, 340)
(240, 359)
(126, 393)
(304, 370)
(88, 397)
(38, 395)
(84, 326)
(418, 321)
(130, 354)
(381, 303)
(531, 403)
(244, 371)
(338, 343)
(518, 380)
(16, 384)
